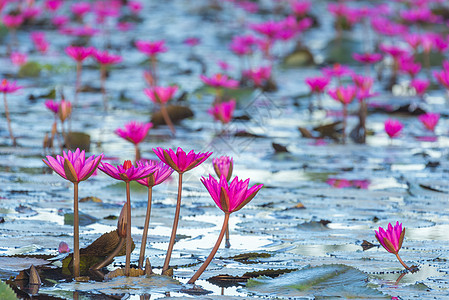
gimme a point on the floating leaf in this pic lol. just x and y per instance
(78, 140)
(330, 281)
(299, 57)
(84, 219)
(16, 263)
(6, 293)
(341, 50)
(30, 69)
(176, 113)
(250, 257)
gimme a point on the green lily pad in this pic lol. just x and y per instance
(30, 69)
(326, 281)
(341, 50)
(435, 58)
(84, 219)
(6, 293)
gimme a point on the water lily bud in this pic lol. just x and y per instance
(121, 224)
(63, 247)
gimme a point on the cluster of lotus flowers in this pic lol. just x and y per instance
(229, 195)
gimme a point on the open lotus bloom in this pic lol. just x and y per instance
(74, 166)
(127, 171)
(180, 161)
(233, 196)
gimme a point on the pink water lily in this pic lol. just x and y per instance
(79, 53)
(220, 81)
(429, 120)
(393, 128)
(367, 58)
(180, 161)
(74, 166)
(52, 105)
(229, 197)
(420, 85)
(106, 58)
(223, 112)
(160, 174)
(127, 171)
(151, 48)
(135, 132)
(18, 58)
(391, 239)
(223, 166)
(160, 94)
(317, 84)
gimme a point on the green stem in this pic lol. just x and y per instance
(128, 230)
(76, 232)
(174, 228)
(145, 228)
(212, 253)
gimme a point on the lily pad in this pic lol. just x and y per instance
(324, 281)
(30, 69)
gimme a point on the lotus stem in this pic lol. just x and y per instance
(153, 63)
(228, 243)
(137, 151)
(79, 68)
(212, 253)
(174, 228)
(402, 263)
(76, 232)
(167, 119)
(103, 85)
(110, 257)
(8, 120)
(145, 228)
(345, 116)
(128, 230)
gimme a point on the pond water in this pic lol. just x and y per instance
(316, 246)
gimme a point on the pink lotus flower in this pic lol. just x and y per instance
(180, 161)
(127, 171)
(80, 8)
(386, 27)
(395, 51)
(161, 94)
(224, 65)
(82, 31)
(124, 26)
(443, 76)
(135, 6)
(60, 21)
(134, 132)
(65, 110)
(420, 85)
(8, 87)
(192, 41)
(337, 70)
(31, 12)
(18, 58)
(230, 197)
(407, 65)
(414, 40)
(259, 76)
(392, 238)
(13, 21)
(243, 45)
(393, 128)
(429, 120)
(367, 58)
(343, 94)
(362, 82)
(40, 42)
(223, 166)
(79, 53)
(161, 173)
(63, 247)
(270, 29)
(105, 58)
(301, 7)
(52, 105)
(73, 166)
(220, 81)
(104, 9)
(53, 5)
(151, 48)
(318, 84)
(223, 111)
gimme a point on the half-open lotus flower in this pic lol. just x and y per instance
(179, 160)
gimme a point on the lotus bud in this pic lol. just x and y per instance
(121, 224)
